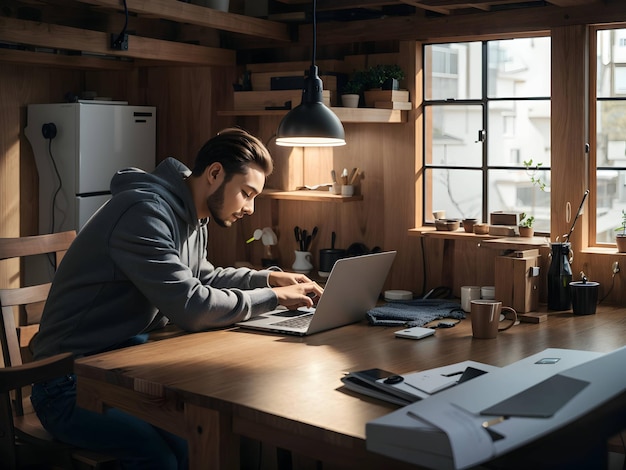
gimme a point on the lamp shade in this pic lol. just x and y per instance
(311, 124)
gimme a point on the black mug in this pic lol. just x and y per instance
(328, 257)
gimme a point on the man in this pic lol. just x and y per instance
(141, 261)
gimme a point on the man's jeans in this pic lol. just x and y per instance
(137, 444)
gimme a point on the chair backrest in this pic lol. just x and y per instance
(53, 245)
(15, 332)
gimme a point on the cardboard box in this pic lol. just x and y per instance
(516, 282)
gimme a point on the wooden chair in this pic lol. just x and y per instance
(23, 429)
(54, 245)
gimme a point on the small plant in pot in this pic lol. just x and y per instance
(386, 77)
(620, 238)
(526, 221)
(352, 90)
(526, 226)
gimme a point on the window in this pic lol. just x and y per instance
(486, 112)
(610, 131)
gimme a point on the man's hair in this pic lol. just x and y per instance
(236, 150)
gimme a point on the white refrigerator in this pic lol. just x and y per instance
(78, 147)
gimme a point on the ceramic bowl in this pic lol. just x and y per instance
(448, 225)
(468, 225)
(481, 229)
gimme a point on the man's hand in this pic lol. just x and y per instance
(281, 278)
(298, 295)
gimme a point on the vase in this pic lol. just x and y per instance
(302, 263)
(559, 278)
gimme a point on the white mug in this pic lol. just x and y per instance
(469, 293)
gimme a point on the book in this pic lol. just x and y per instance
(410, 388)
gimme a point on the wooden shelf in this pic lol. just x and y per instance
(459, 234)
(361, 115)
(305, 195)
(492, 241)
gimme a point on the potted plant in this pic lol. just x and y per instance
(385, 77)
(383, 84)
(620, 238)
(351, 94)
(352, 90)
(526, 222)
(526, 226)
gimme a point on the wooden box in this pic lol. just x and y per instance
(259, 100)
(372, 96)
(516, 281)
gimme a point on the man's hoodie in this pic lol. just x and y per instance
(140, 260)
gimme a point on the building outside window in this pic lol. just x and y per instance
(610, 132)
(486, 112)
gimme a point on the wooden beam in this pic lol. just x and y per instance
(79, 62)
(64, 37)
(201, 16)
(486, 25)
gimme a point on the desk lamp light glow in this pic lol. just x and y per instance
(311, 124)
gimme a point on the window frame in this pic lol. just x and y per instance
(483, 102)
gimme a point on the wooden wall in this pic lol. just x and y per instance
(188, 100)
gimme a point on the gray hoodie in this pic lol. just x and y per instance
(140, 260)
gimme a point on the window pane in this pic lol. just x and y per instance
(453, 71)
(518, 68)
(611, 60)
(513, 190)
(611, 133)
(458, 192)
(519, 131)
(451, 134)
(611, 199)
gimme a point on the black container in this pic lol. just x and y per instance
(559, 278)
(584, 297)
(328, 257)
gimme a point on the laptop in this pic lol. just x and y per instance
(352, 288)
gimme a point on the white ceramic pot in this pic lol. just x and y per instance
(350, 101)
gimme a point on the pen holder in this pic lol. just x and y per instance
(347, 190)
(302, 263)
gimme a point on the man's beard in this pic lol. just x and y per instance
(215, 204)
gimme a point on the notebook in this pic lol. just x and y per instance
(352, 288)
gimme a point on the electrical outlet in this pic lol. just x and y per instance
(119, 42)
(615, 267)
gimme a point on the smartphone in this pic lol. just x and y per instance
(416, 332)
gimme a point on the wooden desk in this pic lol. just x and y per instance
(210, 387)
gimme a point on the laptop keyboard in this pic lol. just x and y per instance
(296, 322)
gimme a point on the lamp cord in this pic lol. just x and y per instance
(314, 33)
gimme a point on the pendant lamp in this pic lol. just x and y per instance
(311, 124)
